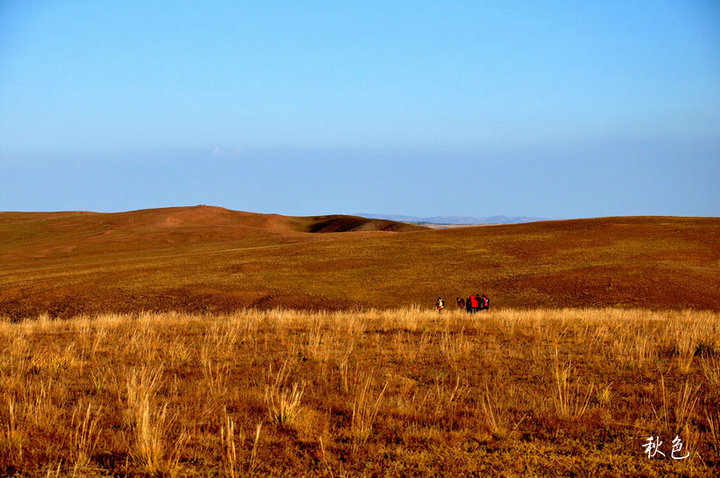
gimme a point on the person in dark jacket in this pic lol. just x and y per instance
(484, 302)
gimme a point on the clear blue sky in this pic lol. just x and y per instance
(550, 109)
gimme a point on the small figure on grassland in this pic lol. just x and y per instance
(440, 304)
(484, 302)
(473, 304)
(460, 302)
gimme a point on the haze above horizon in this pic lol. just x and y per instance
(545, 109)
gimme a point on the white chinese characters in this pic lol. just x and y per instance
(677, 446)
(652, 448)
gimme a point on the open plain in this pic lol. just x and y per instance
(202, 341)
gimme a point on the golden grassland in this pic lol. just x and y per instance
(395, 392)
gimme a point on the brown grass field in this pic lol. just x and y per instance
(396, 392)
(202, 342)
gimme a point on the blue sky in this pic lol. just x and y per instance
(548, 109)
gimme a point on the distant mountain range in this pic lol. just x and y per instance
(454, 220)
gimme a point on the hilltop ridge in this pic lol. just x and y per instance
(41, 234)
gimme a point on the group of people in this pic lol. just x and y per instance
(472, 304)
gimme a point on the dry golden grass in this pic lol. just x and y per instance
(411, 391)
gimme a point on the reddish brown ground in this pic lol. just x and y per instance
(213, 259)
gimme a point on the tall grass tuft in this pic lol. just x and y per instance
(570, 401)
(283, 402)
(685, 406)
(455, 346)
(13, 435)
(713, 421)
(150, 449)
(215, 377)
(85, 436)
(252, 461)
(364, 411)
(490, 415)
(227, 441)
(711, 370)
(151, 425)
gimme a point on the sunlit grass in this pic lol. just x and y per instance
(285, 392)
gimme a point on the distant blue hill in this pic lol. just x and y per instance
(454, 220)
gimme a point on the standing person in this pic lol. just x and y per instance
(485, 302)
(460, 302)
(440, 304)
(474, 304)
(468, 305)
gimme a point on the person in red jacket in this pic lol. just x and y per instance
(484, 302)
(474, 304)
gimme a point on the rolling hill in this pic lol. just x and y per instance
(455, 220)
(212, 259)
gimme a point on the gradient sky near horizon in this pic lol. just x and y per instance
(546, 109)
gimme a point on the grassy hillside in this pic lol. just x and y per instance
(212, 259)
